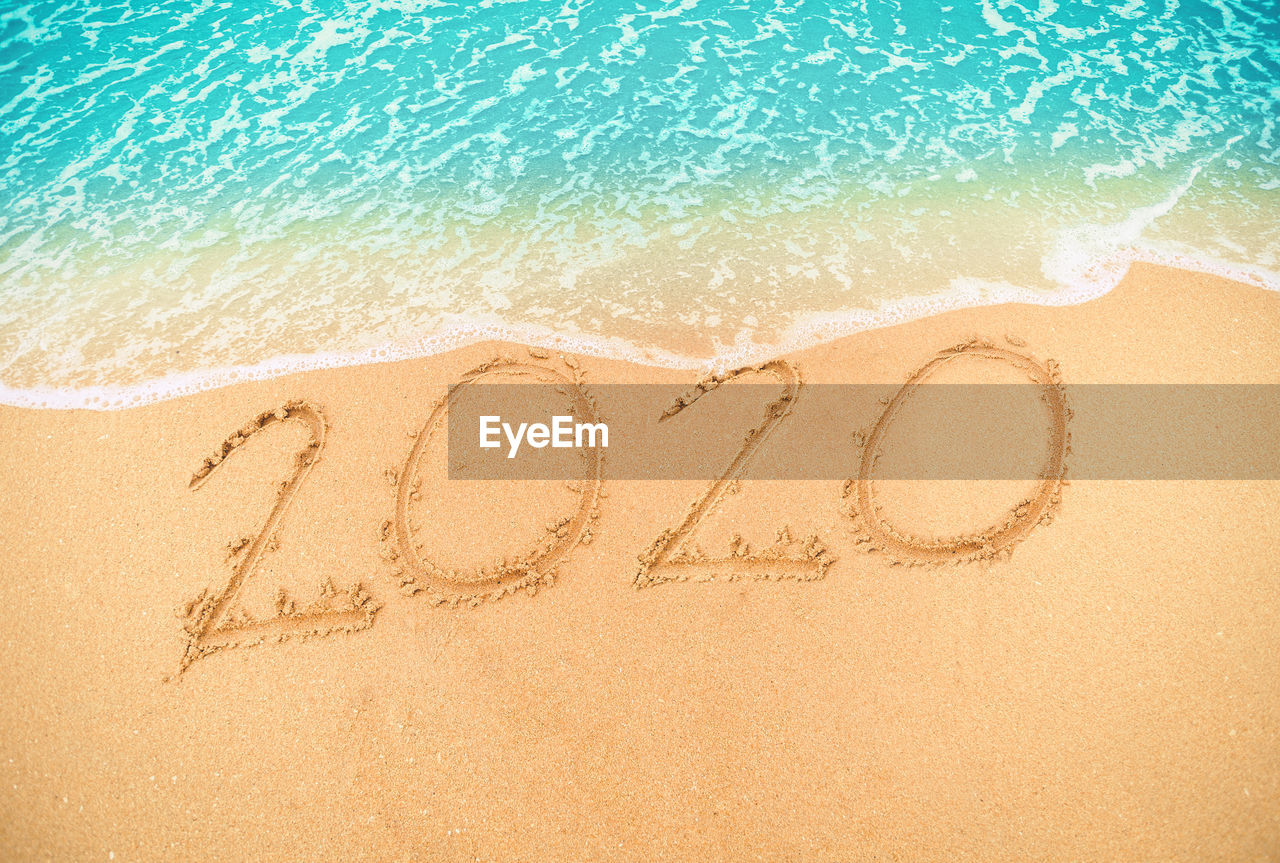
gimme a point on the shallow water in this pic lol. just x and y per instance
(198, 193)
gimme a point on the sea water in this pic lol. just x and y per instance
(193, 193)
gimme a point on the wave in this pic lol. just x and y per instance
(199, 197)
(1090, 278)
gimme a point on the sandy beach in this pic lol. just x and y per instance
(1106, 692)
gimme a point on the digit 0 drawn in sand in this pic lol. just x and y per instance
(876, 534)
(674, 557)
(537, 566)
(215, 622)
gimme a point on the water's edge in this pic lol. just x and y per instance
(1091, 279)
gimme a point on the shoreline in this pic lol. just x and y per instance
(683, 432)
(1093, 279)
(257, 661)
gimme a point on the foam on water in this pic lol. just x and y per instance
(197, 195)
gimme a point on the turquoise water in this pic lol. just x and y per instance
(198, 192)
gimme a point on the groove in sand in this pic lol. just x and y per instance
(213, 622)
(876, 534)
(536, 567)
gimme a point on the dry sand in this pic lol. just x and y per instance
(1108, 692)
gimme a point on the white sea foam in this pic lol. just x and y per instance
(197, 190)
(1074, 265)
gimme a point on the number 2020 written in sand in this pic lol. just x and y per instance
(214, 620)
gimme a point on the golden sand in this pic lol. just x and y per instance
(257, 623)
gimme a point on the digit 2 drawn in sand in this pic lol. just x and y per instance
(877, 535)
(537, 566)
(670, 558)
(213, 622)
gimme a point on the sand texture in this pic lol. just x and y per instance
(260, 623)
